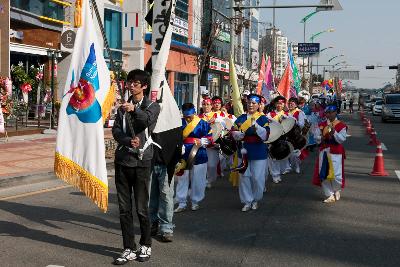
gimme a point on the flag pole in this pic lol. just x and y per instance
(112, 63)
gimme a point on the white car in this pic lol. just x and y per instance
(377, 109)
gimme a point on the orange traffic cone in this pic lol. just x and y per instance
(379, 164)
(372, 138)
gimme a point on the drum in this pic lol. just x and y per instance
(280, 149)
(227, 144)
(275, 131)
(288, 123)
(296, 138)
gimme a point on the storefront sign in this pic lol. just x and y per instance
(68, 39)
(224, 36)
(181, 23)
(180, 31)
(226, 77)
(219, 65)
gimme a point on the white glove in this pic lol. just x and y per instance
(183, 150)
(204, 142)
(238, 136)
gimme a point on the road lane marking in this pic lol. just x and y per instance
(383, 146)
(397, 173)
(36, 192)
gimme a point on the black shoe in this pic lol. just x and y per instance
(167, 237)
(144, 253)
(126, 256)
(154, 229)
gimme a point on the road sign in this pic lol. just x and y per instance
(345, 74)
(308, 49)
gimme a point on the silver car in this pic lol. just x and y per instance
(391, 107)
(377, 109)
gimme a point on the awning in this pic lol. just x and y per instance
(28, 49)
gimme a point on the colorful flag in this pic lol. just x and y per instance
(236, 101)
(295, 72)
(268, 81)
(261, 76)
(284, 84)
(87, 99)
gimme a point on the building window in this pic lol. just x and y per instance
(45, 8)
(184, 86)
(113, 29)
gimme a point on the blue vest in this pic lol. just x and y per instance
(259, 150)
(202, 130)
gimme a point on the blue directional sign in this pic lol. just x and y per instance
(308, 49)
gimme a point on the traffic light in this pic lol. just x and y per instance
(395, 67)
(370, 67)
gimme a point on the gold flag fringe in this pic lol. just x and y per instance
(108, 102)
(74, 174)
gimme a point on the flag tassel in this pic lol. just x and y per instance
(74, 174)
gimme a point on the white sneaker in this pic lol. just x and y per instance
(276, 180)
(246, 207)
(144, 253)
(337, 195)
(287, 171)
(179, 209)
(297, 170)
(126, 255)
(330, 199)
(254, 205)
(195, 207)
(208, 185)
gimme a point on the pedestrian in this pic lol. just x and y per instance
(162, 183)
(351, 102)
(329, 168)
(133, 158)
(252, 128)
(2, 128)
(344, 104)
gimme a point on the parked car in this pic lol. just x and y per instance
(368, 104)
(391, 107)
(377, 109)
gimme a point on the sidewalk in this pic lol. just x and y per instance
(29, 155)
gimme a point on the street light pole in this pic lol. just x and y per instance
(52, 90)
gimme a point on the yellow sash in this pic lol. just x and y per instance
(190, 126)
(247, 124)
(292, 112)
(278, 115)
(325, 131)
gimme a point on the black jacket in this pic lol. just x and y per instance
(143, 117)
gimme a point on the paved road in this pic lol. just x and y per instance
(291, 228)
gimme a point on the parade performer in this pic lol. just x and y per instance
(329, 167)
(212, 154)
(221, 116)
(300, 117)
(278, 167)
(196, 132)
(252, 128)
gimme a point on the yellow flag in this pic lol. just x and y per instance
(236, 101)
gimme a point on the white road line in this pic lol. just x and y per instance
(383, 146)
(397, 173)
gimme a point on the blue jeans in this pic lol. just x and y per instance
(161, 205)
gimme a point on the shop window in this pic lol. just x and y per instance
(184, 86)
(45, 8)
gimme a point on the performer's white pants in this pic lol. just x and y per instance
(277, 167)
(329, 187)
(197, 176)
(224, 161)
(212, 163)
(252, 182)
(295, 160)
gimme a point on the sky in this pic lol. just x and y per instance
(367, 32)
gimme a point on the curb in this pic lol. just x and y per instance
(24, 179)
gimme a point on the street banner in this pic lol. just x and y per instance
(308, 49)
(284, 84)
(86, 102)
(261, 75)
(236, 100)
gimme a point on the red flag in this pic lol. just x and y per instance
(284, 85)
(261, 76)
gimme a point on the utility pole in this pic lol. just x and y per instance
(273, 38)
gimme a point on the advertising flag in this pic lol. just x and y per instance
(87, 99)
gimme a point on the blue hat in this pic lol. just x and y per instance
(331, 108)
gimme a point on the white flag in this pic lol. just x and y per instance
(87, 99)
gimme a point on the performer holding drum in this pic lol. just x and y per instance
(196, 136)
(299, 116)
(252, 129)
(280, 166)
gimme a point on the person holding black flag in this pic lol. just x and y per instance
(134, 123)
